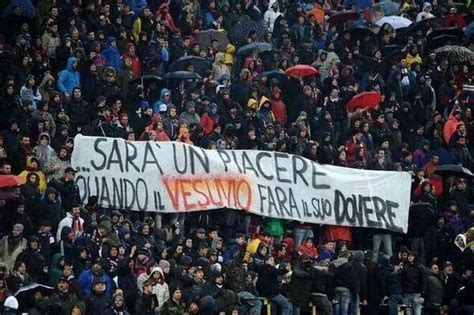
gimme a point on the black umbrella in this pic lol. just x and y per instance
(145, 80)
(279, 75)
(25, 294)
(205, 38)
(456, 170)
(442, 40)
(423, 25)
(239, 33)
(182, 75)
(201, 65)
(452, 31)
(343, 16)
(358, 33)
(260, 47)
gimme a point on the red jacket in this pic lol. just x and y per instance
(278, 107)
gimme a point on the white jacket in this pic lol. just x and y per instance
(67, 221)
(270, 15)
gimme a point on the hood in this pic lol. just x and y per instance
(44, 134)
(219, 57)
(215, 240)
(271, 3)
(276, 90)
(110, 39)
(46, 78)
(252, 103)
(70, 61)
(157, 269)
(263, 99)
(339, 262)
(163, 92)
(464, 240)
(358, 257)
(30, 159)
(51, 190)
(56, 259)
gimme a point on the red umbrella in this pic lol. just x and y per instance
(301, 71)
(10, 181)
(367, 100)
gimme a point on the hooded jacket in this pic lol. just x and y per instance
(37, 171)
(161, 101)
(271, 15)
(160, 289)
(112, 55)
(69, 78)
(51, 210)
(343, 273)
(279, 108)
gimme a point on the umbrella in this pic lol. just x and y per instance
(260, 47)
(10, 181)
(453, 31)
(448, 170)
(301, 71)
(456, 53)
(205, 38)
(343, 16)
(358, 33)
(182, 75)
(201, 65)
(396, 22)
(25, 294)
(241, 31)
(442, 40)
(33, 288)
(279, 75)
(145, 80)
(423, 25)
(367, 100)
(388, 8)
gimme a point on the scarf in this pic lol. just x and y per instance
(77, 226)
(13, 242)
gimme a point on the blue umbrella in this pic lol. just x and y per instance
(388, 8)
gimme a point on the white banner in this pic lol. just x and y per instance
(175, 177)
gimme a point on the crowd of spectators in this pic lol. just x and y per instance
(113, 68)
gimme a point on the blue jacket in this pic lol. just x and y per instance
(69, 78)
(156, 106)
(112, 55)
(86, 279)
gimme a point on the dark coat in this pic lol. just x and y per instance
(267, 283)
(432, 290)
(300, 286)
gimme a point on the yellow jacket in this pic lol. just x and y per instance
(411, 59)
(251, 248)
(137, 28)
(41, 176)
(229, 56)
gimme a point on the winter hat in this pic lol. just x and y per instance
(144, 104)
(19, 227)
(163, 108)
(11, 303)
(164, 264)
